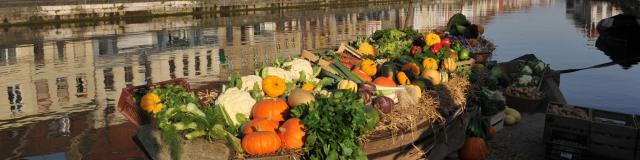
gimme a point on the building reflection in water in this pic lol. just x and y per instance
(587, 13)
(62, 90)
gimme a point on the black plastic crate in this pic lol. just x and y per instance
(613, 135)
(564, 150)
(561, 127)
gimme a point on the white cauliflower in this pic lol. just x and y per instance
(236, 101)
(299, 65)
(275, 71)
(526, 70)
(525, 80)
(251, 80)
(540, 66)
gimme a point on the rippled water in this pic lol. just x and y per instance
(62, 82)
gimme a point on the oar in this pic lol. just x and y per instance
(579, 69)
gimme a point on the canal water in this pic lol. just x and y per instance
(63, 81)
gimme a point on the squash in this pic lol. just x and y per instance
(430, 64)
(453, 55)
(236, 102)
(261, 142)
(384, 81)
(424, 84)
(369, 67)
(273, 86)
(414, 91)
(271, 109)
(299, 96)
(449, 64)
(348, 85)
(364, 76)
(412, 67)
(308, 86)
(510, 120)
(403, 79)
(388, 69)
(433, 76)
(367, 49)
(444, 77)
(291, 134)
(151, 103)
(264, 124)
(474, 148)
(432, 39)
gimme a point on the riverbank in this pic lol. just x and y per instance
(37, 13)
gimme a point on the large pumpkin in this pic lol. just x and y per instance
(369, 67)
(291, 133)
(261, 143)
(151, 103)
(273, 86)
(260, 123)
(449, 64)
(430, 64)
(385, 81)
(474, 148)
(271, 109)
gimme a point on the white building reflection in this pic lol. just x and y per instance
(586, 14)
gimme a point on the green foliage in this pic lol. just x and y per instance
(393, 42)
(333, 125)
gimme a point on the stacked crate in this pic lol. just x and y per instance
(566, 137)
(613, 135)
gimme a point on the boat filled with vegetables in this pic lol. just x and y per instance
(331, 104)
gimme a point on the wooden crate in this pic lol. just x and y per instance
(563, 128)
(615, 140)
(561, 151)
(496, 121)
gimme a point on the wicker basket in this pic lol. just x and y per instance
(524, 104)
(128, 106)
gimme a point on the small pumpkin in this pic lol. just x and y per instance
(414, 91)
(474, 148)
(430, 64)
(364, 76)
(369, 67)
(151, 103)
(367, 49)
(403, 79)
(261, 142)
(432, 75)
(348, 85)
(274, 109)
(273, 86)
(492, 132)
(411, 67)
(449, 64)
(265, 124)
(292, 134)
(384, 81)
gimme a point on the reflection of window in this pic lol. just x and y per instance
(38, 53)
(60, 127)
(15, 98)
(42, 95)
(108, 79)
(128, 74)
(197, 65)
(81, 87)
(8, 56)
(229, 34)
(209, 61)
(63, 89)
(185, 65)
(60, 47)
(172, 67)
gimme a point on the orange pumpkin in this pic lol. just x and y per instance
(273, 86)
(474, 148)
(411, 67)
(261, 143)
(271, 109)
(364, 76)
(264, 124)
(403, 79)
(385, 81)
(291, 134)
(368, 66)
(430, 64)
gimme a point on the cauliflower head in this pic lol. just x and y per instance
(298, 65)
(236, 101)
